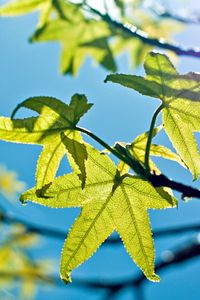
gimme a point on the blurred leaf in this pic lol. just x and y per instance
(136, 49)
(19, 270)
(10, 185)
(78, 40)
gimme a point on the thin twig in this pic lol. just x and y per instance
(156, 180)
(143, 36)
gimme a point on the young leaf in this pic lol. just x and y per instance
(137, 150)
(109, 202)
(55, 118)
(180, 95)
(138, 146)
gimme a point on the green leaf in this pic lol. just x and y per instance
(137, 152)
(45, 14)
(138, 147)
(79, 107)
(19, 7)
(123, 168)
(79, 155)
(180, 95)
(67, 114)
(109, 202)
(68, 11)
(78, 40)
(55, 118)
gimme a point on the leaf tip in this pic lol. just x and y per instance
(154, 278)
(23, 199)
(106, 79)
(66, 278)
(31, 39)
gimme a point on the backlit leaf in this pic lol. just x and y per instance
(55, 118)
(78, 40)
(109, 202)
(79, 155)
(138, 147)
(180, 96)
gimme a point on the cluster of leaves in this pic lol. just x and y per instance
(82, 33)
(111, 197)
(18, 270)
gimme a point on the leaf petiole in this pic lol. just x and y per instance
(150, 136)
(101, 142)
(133, 164)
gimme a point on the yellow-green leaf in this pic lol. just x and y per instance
(109, 202)
(78, 40)
(55, 117)
(79, 156)
(138, 147)
(180, 96)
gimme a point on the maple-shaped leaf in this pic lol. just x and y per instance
(180, 96)
(109, 202)
(55, 120)
(78, 38)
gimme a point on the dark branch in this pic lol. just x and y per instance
(156, 180)
(36, 277)
(162, 180)
(60, 234)
(134, 32)
(180, 255)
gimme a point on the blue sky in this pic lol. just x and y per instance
(118, 115)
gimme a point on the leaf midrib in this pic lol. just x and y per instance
(48, 164)
(88, 185)
(183, 140)
(89, 229)
(136, 226)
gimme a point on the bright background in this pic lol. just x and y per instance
(118, 114)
